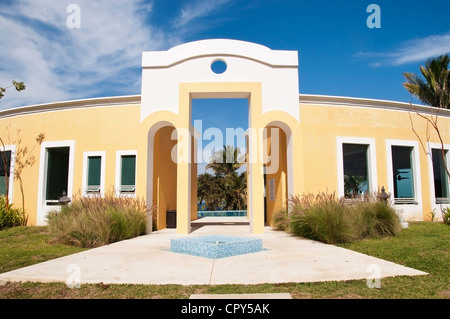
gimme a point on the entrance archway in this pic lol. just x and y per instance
(162, 171)
(267, 78)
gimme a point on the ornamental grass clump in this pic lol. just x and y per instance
(374, 219)
(280, 220)
(320, 217)
(332, 220)
(96, 221)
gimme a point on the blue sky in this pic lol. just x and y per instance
(338, 53)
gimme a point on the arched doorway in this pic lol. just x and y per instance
(162, 171)
(276, 169)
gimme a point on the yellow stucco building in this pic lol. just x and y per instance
(144, 145)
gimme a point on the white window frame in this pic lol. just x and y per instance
(12, 149)
(119, 155)
(436, 207)
(42, 207)
(411, 211)
(371, 162)
(86, 155)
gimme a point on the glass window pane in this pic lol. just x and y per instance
(57, 172)
(4, 170)
(356, 177)
(128, 170)
(440, 175)
(403, 172)
(94, 170)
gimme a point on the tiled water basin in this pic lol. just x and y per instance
(216, 246)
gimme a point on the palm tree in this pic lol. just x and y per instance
(434, 90)
(226, 161)
(210, 192)
(226, 189)
(238, 189)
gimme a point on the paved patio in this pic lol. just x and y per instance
(147, 260)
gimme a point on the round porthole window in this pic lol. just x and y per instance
(218, 66)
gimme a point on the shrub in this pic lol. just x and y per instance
(446, 215)
(97, 221)
(321, 217)
(374, 219)
(280, 220)
(326, 218)
(11, 217)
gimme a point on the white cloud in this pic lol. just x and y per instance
(198, 9)
(412, 51)
(59, 63)
(422, 49)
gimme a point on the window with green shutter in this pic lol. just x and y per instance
(128, 174)
(94, 164)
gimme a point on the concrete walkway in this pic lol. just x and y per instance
(147, 260)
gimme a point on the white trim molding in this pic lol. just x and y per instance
(86, 155)
(410, 211)
(436, 207)
(72, 105)
(12, 149)
(371, 161)
(42, 208)
(119, 155)
(164, 71)
(344, 101)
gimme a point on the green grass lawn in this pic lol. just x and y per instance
(24, 246)
(423, 246)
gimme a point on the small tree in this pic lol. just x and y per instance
(19, 86)
(24, 158)
(434, 91)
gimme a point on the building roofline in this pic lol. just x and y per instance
(304, 99)
(311, 99)
(219, 47)
(72, 104)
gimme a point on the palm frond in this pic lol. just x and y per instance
(433, 89)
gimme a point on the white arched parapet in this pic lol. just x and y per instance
(276, 70)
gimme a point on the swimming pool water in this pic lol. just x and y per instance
(220, 213)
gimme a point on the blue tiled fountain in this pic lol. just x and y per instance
(216, 246)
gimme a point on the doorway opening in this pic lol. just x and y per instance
(220, 152)
(275, 172)
(164, 177)
(57, 174)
